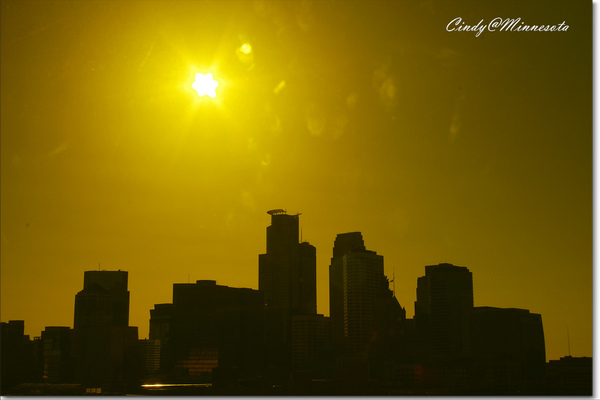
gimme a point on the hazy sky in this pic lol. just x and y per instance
(363, 116)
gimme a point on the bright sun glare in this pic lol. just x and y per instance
(205, 85)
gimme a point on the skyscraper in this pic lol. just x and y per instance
(287, 277)
(443, 311)
(344, 243)
(307, 280)
(361, 304)
(105, 346)
(287, 271)
(104, 300)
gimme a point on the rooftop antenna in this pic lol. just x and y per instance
(568, 341)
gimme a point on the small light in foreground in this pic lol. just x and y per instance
(205, 85)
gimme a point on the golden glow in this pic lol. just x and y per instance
(246, 48)
(348, 107)
(205, 85)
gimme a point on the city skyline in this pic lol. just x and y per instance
(248, 341)
(439, 146)
(345, 244)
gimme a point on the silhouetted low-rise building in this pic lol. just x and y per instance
(312, 350)
(209, 326)
(18, 356)
(570, 376)
(106, 356)
(57, 342)
(508, 350)
(149, 356)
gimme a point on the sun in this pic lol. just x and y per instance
(205, 85)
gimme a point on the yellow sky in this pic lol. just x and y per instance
(364, 116)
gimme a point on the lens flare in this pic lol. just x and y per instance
(246, 48)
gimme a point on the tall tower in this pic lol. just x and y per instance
(344, 244)
(104, 300)
(443, 310)
(357, 283)
(105, 346)
(287, 277)
(287, 272)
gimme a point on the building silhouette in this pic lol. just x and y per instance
(366, 318)
(356, 274)
(312, 350)
(344, 244)
(570, 376)
(160, 333)
(57, 358)
(17, 356)
(508, 350)
(209, 331)
(105, 346)
(149, 356)
(104, 300)
(287, 271)
(287, 278)
(271, 341)
(442, 313)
